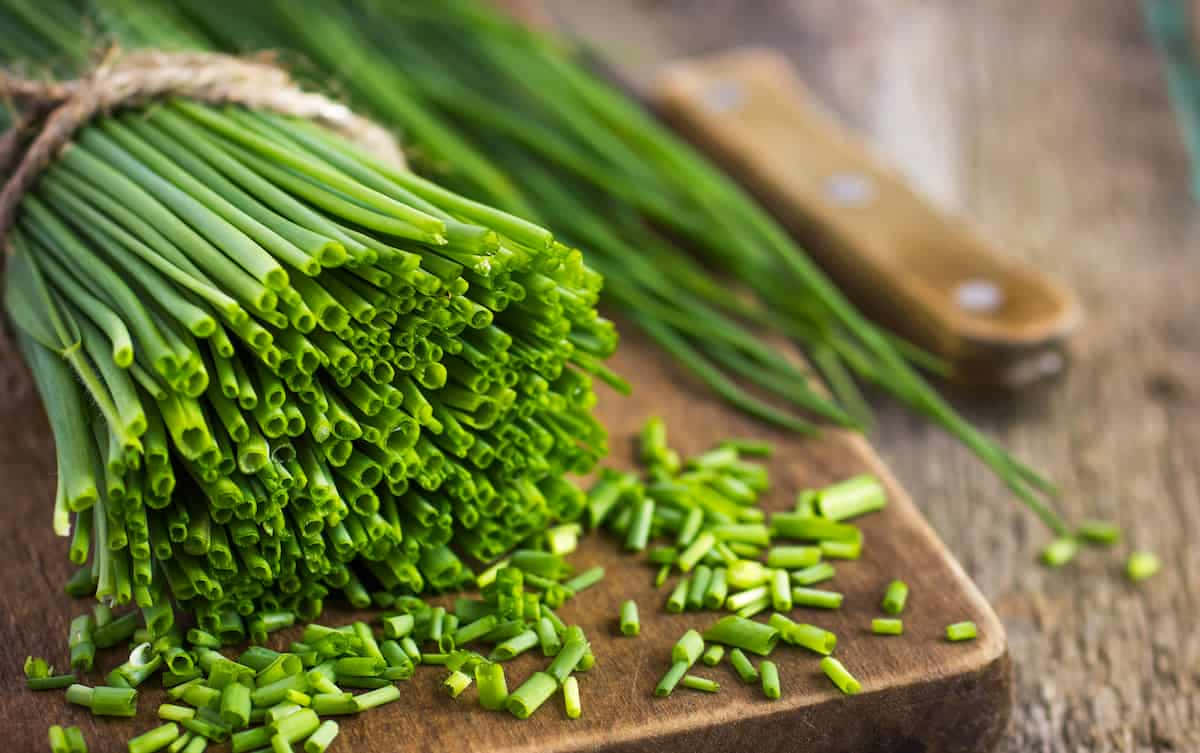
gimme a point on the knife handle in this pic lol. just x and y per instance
(996, 320)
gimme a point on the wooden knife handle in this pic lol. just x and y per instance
(996, 320)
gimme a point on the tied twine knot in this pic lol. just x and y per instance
(53, 111)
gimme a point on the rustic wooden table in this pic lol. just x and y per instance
(1048, 125)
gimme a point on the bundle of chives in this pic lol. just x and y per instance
(507, 116)
(275, 367)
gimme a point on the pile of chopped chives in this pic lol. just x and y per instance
(728, 554)
(279, 698)
(276, 368)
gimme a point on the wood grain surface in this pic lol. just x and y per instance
(1047, 123)
(921, 693)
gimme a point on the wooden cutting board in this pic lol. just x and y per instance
(920, 693)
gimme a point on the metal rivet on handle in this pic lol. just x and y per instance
(724, 96)
(850, 189)
(979, 296)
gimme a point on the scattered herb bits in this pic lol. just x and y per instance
(629, 622)
(895, 597)
(770, 679)
(840, 676)
(1142, 565)
(961, 631)
(1060, 551)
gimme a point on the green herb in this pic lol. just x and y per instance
(840, 676)
(629, 618)
(1142, 565)
(895, 597)
(571, 703)
(961, 631)
(742, 633)
(887, 626)
(770, 679)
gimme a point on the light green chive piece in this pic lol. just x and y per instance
(850, 498)
(571, 702)
(815, 597)
(809, 576)
(887, 626)
(743, 666)
(456, 682)
(713, 654)
(492, 685)
(742, 633)
(895, 597)
(700, 683)
(770, 679)
(320, 740)
(793, 557)
(1142, 565)
(672, 677)
(156, 739)
(1060, 551)
(961, 631)
(688, 648)
(815, 639)
(629, 618)
(840, 676)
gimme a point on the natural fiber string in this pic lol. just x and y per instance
(51, 113)
(54, 111)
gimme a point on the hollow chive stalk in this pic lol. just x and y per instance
(809, 576)
(742, 633)
(530, 695)
(629, 622)
(887, 626)
(155, 739)
(743, 666)
(1142, 565)
(802, 634)
(850, 498)
(770, 679)
(104, 701)
(961, 631)
(700, 683)
(840, 676)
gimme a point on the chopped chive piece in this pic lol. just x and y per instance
(339, 702)
(701, 579)
(842, 550)
(250, 739)
(815, 597)
(571, 702)
(586, 579)
(770, 679)
(156, 739)
(790, 525)
(172, 713)
(1142, 565)
(678, 598)
(743, 666)
(887, 626)
(532, 693)
(802, 634)
(744, 634)
(961, 631)
(713, 654)
(840, 676)
(747, 574)
(791, 557)
(297, 726)
(700, 683)
(493, 687)
(781, 591)
(104, 700)
(629, 618)
(718, 589)
(58, 740)
(1060, 551)
(699, 547)
(809, 576)
(320, 740)
(1099, 532)
(895, 597)
(515, 646)
(548, 637)
(54, 682)
(851, 498)
(455, 683)
(672, 677)
(660, 578)
(397, 626)
(749, 596)
(639, 525)
(688, 648)
(755, 448)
